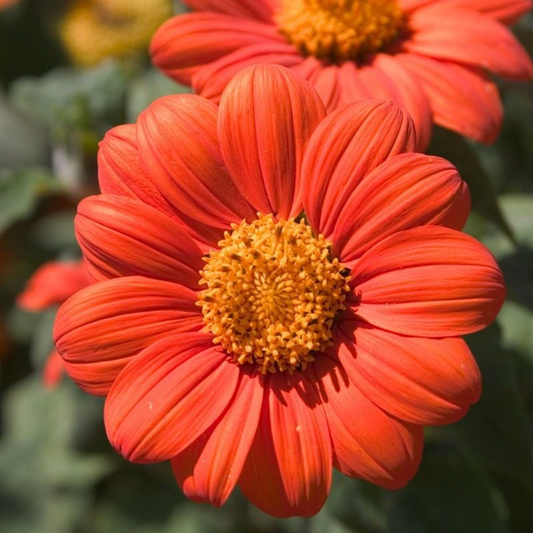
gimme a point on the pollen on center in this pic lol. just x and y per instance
(272, 292)
(341, 29)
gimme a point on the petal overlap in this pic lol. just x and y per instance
(210, 467)
(100, 329)
(254, 9)
(464, 36)
(288, 470)
(122, 236)
(367, 443)
(167, 396)
(179, 147)
(406, 191)
(476, 112)
(187, 43)
(429, 281)
(506, 11)
(347, 145)
(120, 171)
(419, 380)
(266, 120)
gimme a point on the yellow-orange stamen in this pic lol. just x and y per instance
(341, 29)
(273, 291)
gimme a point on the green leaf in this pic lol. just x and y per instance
(517, 323)
(448, 495)
(55, 232)
(22, 324)
(147, 88)
(46, 484)
(200, 519)
(23, 142)
(455, 148)
(325, 521)
(19, 192)
(355, 504)
(75, 97)
(518, 208)
(180, 7)
(42, 343)
(516, 262)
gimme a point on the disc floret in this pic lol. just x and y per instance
(272, 293)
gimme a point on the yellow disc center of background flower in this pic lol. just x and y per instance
(341, 29)
(272, 294)
(95, 29)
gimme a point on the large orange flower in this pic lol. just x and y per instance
(428, 56)
(52, 284)
(253, 345)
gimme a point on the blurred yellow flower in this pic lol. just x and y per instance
(93, 30)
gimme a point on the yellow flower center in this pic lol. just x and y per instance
(341, 29)
(95, 29)
(272, 294)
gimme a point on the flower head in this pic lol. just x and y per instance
(94, 30)
(431, 58)
(281, 292)
(51, 285)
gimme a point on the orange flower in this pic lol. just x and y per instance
(7, 3)
(249, 344)
(52, 284)
(430, 57)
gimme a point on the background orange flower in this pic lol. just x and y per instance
(51, 285)
(432, 58)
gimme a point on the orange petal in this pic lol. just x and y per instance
(309, 67)
(124, 237)
(462, 98)
(267, 115)
(388, 79)
(52, 283)
(367, 443)
(186, 43)
(288, 470)
(167, 396)
(346, 146)
(211, 80)
(121, 173)
(100, 329)
(327, 82)
(210, 467)
(419, 380)
(406, 191)
(428, 281)
(254, 9)
(464, 36)
(179, 147)
(507, 11)
(53, 370)
(352, 87)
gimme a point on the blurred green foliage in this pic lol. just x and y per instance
(58, 474)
